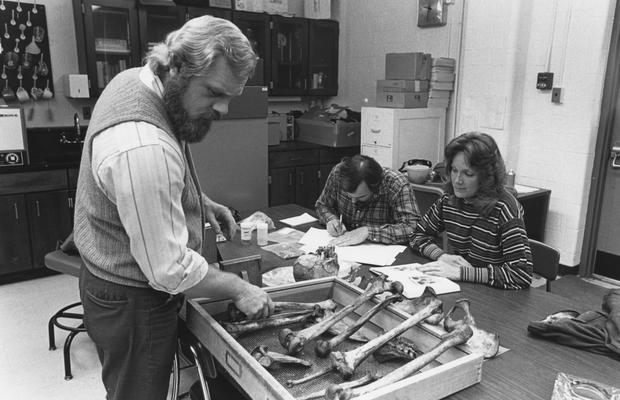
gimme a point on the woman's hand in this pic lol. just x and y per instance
(441, 268)
(351, 238)
(217, 215)
(454, 260)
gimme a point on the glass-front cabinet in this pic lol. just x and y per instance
(255, 26)
(289, 56)
(156, 22)
(110, 39)
(323, 57)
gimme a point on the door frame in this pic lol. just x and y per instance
(611, 92)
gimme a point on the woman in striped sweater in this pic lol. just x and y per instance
(483, 222)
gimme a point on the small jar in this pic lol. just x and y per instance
(246, 232)
(262, 233)
(510, 178)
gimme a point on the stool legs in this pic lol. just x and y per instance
(73, 330)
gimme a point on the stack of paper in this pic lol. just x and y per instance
(414, 282)
(304, 218)
(373, 254)
(442, 82)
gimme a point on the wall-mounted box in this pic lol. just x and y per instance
(76, 86)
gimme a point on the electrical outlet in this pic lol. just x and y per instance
(544, 81)
(86, 111)
(556, 95)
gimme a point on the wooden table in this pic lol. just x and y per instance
(529, 369)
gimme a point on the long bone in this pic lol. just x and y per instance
(481, 341)
(458, 336)
(293, 341)
(236, 329)
(324, 347)
(345, 363)
(284, 306)
(270, 359)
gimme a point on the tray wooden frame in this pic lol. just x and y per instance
(457, 369)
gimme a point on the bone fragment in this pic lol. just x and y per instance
(481, 341)
(293, 341)
(284, 306)
(270, 359)
(458, 336)
(350, 384)
(324, 347)
(398, 348)
(412, 306)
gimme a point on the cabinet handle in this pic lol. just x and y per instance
(38, 208)
(295, 158)
(301, 178)
(375, 130)
(16, 211)
(269, 180)
(305, 84)
(290, 179)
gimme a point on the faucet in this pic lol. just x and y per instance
(76, 126)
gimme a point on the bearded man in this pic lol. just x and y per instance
(140, 213)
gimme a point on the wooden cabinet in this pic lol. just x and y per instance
(15, 239)
(255, 26)
(113, 35)
(298, 171)
(36, 210)
(304, 57)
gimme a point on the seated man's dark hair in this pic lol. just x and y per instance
(357, 169)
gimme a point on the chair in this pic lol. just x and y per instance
(60, 261)
(546, 261)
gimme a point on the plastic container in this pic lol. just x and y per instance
(510, 178)
(262, 233)
(246, 232)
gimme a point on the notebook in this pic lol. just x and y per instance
(415, 281)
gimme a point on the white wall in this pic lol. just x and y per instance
(505, 43)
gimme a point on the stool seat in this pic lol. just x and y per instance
(60, 261)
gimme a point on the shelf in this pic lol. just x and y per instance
(113, 52)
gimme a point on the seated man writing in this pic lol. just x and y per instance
(363, 201)
(482, 220)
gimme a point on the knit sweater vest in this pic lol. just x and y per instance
(99, 234)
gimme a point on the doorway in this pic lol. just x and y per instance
(601, 247)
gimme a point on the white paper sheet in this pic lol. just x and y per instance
(299, 220)
(525, 189)
(285, 235)
(414, 281)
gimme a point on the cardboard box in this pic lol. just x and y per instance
(275, 6)
(410, 66)
(318, 9)
(453, 371)
(249, 5)
(315, 127)
(402, 99)
(401, 85)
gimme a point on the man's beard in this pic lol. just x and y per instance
(185, 128)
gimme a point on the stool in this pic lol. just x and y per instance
(60, 261)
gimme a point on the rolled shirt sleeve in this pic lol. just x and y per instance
(142, 169)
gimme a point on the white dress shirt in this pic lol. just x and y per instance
(141, 169)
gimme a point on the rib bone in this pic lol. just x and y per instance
(294, 342)
(283, 306)
(236, 329)
(345, 363)
(458, 336)
(270, 359)
(481, 341)
(324, 347)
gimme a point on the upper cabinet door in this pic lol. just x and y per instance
(289, 56)
(110, 38)
(156, 22)
(323, 57)
(193, 12)
(255, 26)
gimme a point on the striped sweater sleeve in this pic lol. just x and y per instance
(424, 239)
(515, 272)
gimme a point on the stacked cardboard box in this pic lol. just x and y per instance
(406, 81)
(442, 82)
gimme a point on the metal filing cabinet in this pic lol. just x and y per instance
(394, 135)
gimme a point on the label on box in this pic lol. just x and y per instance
(402, 99)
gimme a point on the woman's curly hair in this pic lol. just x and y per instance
(484, 157)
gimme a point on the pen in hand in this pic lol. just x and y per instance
(341, 228)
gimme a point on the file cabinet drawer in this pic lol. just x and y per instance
(377, 126)
(293, 158)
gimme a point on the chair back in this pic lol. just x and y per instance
(545, 260)
(426, 196)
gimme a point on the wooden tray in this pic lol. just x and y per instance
(452, 371)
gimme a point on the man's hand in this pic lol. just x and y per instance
(217, 214)
(441, 268)
(335, 228)
(254, 302)
(351, 238)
